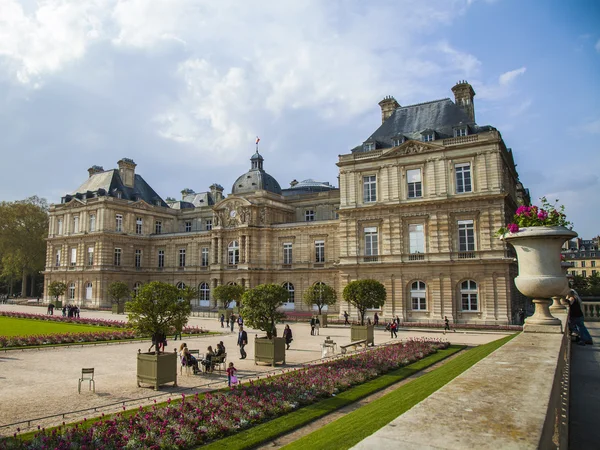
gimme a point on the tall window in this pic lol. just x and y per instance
(287, 253)
(466, 236)
(158, 227)
(59, 226)
(182, 257)
(582, 263)
(76, 224)
(468, 295)
(370, 189)
(88, 291)
(117, 256)
(90, 256)
(233, 253)
(58, 258)
(136, 288)
(180, 286)
(204, 291)
(463, 177)
(204, 258)
(290, 288)
(319, 251)
(418, 297)
(413, 178)
(309, 215)
(138, 225)
(161, 259)
(72, 291)
(92, 222)
(593, 263)
(119, 222)
(208, 224)
(371, 241)
(416, 238)
(138, 258)
(73, 256)
(584, 273)
(188, 227)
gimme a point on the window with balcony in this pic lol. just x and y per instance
(468, 295)
(416, 238)
(309, 215)
(117, 259)
(319, 251)
(57, 260)
(370, 189)
(233, 253)
(138, 225)
(182, 257)
(73, 256)
(414, 183)
(204, 257)
(76, 224)
(188, 227)
(161, 259)
(119, 223)
(466, 236)
(371, 242)
(92, 222)
(287, 253)
(138, 258)
(158, 227)
(59, 226)
(418, 296)
(463, 178)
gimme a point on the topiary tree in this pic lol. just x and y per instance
(56, 289)
(365, 294)
(260, 307)
(321, 295)
(225, 293)
(156, 308)
(118, 290)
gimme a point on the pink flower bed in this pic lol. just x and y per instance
(196, 420)
(57, 318)
(65, 338)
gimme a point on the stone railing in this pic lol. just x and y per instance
(591, 310)
(460, 140)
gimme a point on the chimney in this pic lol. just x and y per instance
(463, 97)
(216, 190)
(127, 171)
(186, 191)
(95, 169)
(388, 106)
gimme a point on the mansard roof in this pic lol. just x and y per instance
(441, 116)
(109, 183)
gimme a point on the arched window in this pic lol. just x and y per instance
(136, 288)
(88, 291)
(180, 285)
(468, 296)
(290, 288)
(233, 253)
(72, 291)
(204, 293)
(418, 297)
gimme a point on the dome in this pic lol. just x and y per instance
(256, 179)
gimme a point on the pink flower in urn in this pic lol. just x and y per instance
(512, 227)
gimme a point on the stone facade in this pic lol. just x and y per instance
(419, 215)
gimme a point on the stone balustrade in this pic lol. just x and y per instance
(591, 310)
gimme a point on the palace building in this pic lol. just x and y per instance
(417, 208)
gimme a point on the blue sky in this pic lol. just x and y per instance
(184, 86)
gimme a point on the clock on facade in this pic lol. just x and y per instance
(233, 213)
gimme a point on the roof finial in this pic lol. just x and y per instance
(257, 141)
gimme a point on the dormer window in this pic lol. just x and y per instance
(368, 146)
(398, 140)
(428, 136)
(118, 194)
(461, 131)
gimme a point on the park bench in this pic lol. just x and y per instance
(354, 345)
(219, 361)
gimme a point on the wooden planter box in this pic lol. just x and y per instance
(362, 332)
(271, 351)
(118, 308)
(322, 320)
(157, 369)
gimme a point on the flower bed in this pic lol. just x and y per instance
(57, 318)
(196, 420)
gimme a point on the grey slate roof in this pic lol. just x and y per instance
(442, 116)
(255, 179)
(308, 186)
(109, 182)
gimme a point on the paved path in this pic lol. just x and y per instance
(584, 412)
(40, 383)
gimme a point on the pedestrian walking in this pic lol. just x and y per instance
(287, 335)
(447, 325)
(242, 342)
(376, 319)
(393, 330)
(231, 322)
(346, 315)
(231, 378)
(312, 326)
(222, 320)
(317, 325)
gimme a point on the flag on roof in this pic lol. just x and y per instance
(257, 139)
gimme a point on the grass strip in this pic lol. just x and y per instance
(270, 430)
(12, 326)
(349, 430)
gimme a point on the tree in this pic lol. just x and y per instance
(187, 294)
(365, 294)
(56, 289)
(118, 290)
(23, 229)
(580, 284)
(260, 307)
(321, 295)
(156, 308)
(225, 293)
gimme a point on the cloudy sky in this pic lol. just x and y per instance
(183, 87)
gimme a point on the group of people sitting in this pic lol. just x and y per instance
(211, 357)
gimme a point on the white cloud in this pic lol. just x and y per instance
(508, 77)
(597, 46)
(592, 127)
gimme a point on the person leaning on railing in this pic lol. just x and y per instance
(576, 319)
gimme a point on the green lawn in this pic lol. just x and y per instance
(349, 430)
(10, 326)
(256, 435)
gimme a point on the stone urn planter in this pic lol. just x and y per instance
(541, 275)
(271, 351)
(363, 333)
(157, 369)
(118, 308)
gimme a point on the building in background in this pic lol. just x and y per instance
(584, 255)
(417, 208)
